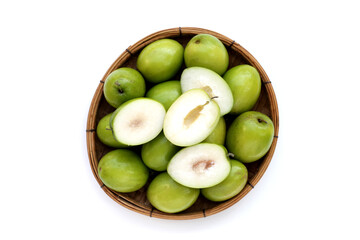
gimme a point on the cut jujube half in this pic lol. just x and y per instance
(212, 83)
(191, 118)
(200, 166)
(137, 121)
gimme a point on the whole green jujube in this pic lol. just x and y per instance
(205, 50)
(157, 153)
(122, 85)
(123, 171)
(245, 84)
(250, 136)
(169, 196)
(165, 92)
(160, 60)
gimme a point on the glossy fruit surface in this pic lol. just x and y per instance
(218, 135)
(123, 171)
(161, 60)
(165, 93)
(250, 135)
(157, 153)
(205, 50)
(122, 85)
(245, 83)
(200, 166)
(105, 134)
(169, 196)
(231, 186)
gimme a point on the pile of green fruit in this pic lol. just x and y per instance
(180, 126)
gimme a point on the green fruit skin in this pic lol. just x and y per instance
(205, 50)
(160, 60)
(219, 133)
(247, 138)
(105, 134)
(122, 85)
(245, 84)
(123, 171)
(169, 196)
(157, 153)
(231, 186)
(166, 93)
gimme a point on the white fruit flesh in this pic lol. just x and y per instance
(212, 83)
(139, 121)
(200, 166)
(191, 118)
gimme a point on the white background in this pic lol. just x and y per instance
(53, 55)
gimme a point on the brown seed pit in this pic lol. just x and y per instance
(202, 165)
(135, 123)
(208, 90)
(193, 115)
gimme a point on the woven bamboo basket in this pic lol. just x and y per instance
(137, 201)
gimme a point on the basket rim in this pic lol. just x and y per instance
(129, 52)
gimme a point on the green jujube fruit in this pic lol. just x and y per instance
(166, 93)
(245, 84)
(205, 50)
(161, 60)
(104, 133)
(231, 186)
(169, 196)
(157, 153)
(250, 136)
(122, 85)
(218, 135)
(123, 171)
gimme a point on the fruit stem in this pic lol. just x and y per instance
(231, 155)
(214, 97)
(108, 129)
(261, 121)
(119, 88)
